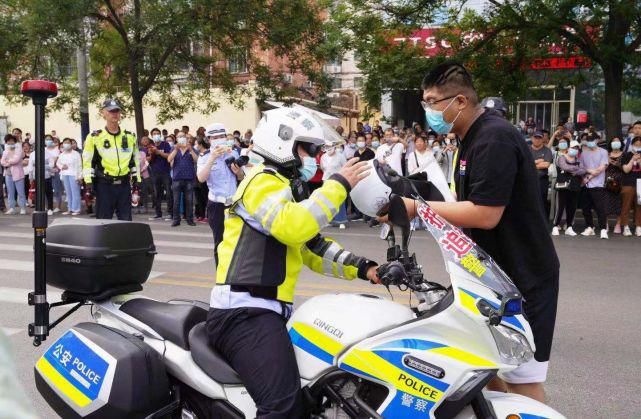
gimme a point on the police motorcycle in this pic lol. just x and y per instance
(358, 355)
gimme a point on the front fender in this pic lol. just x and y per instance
(505, 404)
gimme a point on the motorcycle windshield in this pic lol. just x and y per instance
(459, 249)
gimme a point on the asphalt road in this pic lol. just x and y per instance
(596, 360)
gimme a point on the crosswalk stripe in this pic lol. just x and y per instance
(12, 331)
(19, 295)
(185, 245)
(160, 257)
(16, 235)
(180, 233)
(26, 266)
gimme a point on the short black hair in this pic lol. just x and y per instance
(154, 130)
(451, 78)
(636, 123)
(10, 137)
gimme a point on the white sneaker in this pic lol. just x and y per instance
(604, 234)
(570, 232)
(589, 231)
(56, 210)
(75, 213)
(66, 213)
(555, 231)
(626, 231)
(342, 227)
(23, 211)
(10, 211)
(49, 212)
(637, 231)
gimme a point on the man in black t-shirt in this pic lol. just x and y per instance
(499, 206)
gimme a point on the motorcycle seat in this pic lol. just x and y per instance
(171, 321)
(210, 361)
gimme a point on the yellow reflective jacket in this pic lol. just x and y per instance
(268, 236)
(109, 154)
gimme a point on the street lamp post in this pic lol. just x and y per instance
(39, 91)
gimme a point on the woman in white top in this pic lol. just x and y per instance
(70, 165)
(331, 162)
(392, 154)
(420, 157)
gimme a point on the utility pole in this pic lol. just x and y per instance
(82, 83)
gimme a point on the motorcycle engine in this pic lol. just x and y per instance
(349, 393)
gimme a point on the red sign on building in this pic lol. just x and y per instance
(428, 39)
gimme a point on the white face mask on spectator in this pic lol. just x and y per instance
(182, 140)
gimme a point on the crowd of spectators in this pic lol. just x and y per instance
(183, 178)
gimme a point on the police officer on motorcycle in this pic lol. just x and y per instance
(110, 160)
(271, 230)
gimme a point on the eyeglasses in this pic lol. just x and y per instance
(428, 105)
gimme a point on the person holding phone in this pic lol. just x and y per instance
(222, 179)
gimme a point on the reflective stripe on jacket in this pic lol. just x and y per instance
(268, 236)
(110, 154)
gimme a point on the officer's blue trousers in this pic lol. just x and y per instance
(113, 197)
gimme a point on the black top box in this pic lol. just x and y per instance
(92, 257)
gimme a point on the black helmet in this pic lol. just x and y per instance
(495, 103)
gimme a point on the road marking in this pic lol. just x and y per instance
(25, 266)
(185, 245)
(160, 257)
(16, 235)
(12, 331)
(17, 247)
(166, 257)
(185, 234)
(19, 295)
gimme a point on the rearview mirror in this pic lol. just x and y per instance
(385, 230)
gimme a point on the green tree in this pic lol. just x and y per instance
(514, 32)
(171, 53)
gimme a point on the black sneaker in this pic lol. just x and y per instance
(157, 217)
(191, 223)
(175, 224)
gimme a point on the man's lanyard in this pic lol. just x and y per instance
(452, 177)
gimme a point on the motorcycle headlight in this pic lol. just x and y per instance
(514, 348)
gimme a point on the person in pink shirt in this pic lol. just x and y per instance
(13, 174)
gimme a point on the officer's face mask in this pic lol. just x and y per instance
(308, 169)
(436, 121)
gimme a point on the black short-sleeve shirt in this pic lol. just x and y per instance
(495, 167)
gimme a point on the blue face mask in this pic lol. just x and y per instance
(563, 146)
(616, 145)
(49, 143)
(591, 144)
(375, 144)
(308, 169)
(573, 152)
(437, 123)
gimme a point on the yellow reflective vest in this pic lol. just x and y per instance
(105, 154)
(268, 236)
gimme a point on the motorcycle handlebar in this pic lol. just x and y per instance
(392, 273)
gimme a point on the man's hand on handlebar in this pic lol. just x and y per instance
(392, 273)
(372, 275)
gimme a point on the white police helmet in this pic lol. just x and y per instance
(372, 194)
(281, 130)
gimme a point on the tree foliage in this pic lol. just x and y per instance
(166, 53)
(514, 32)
